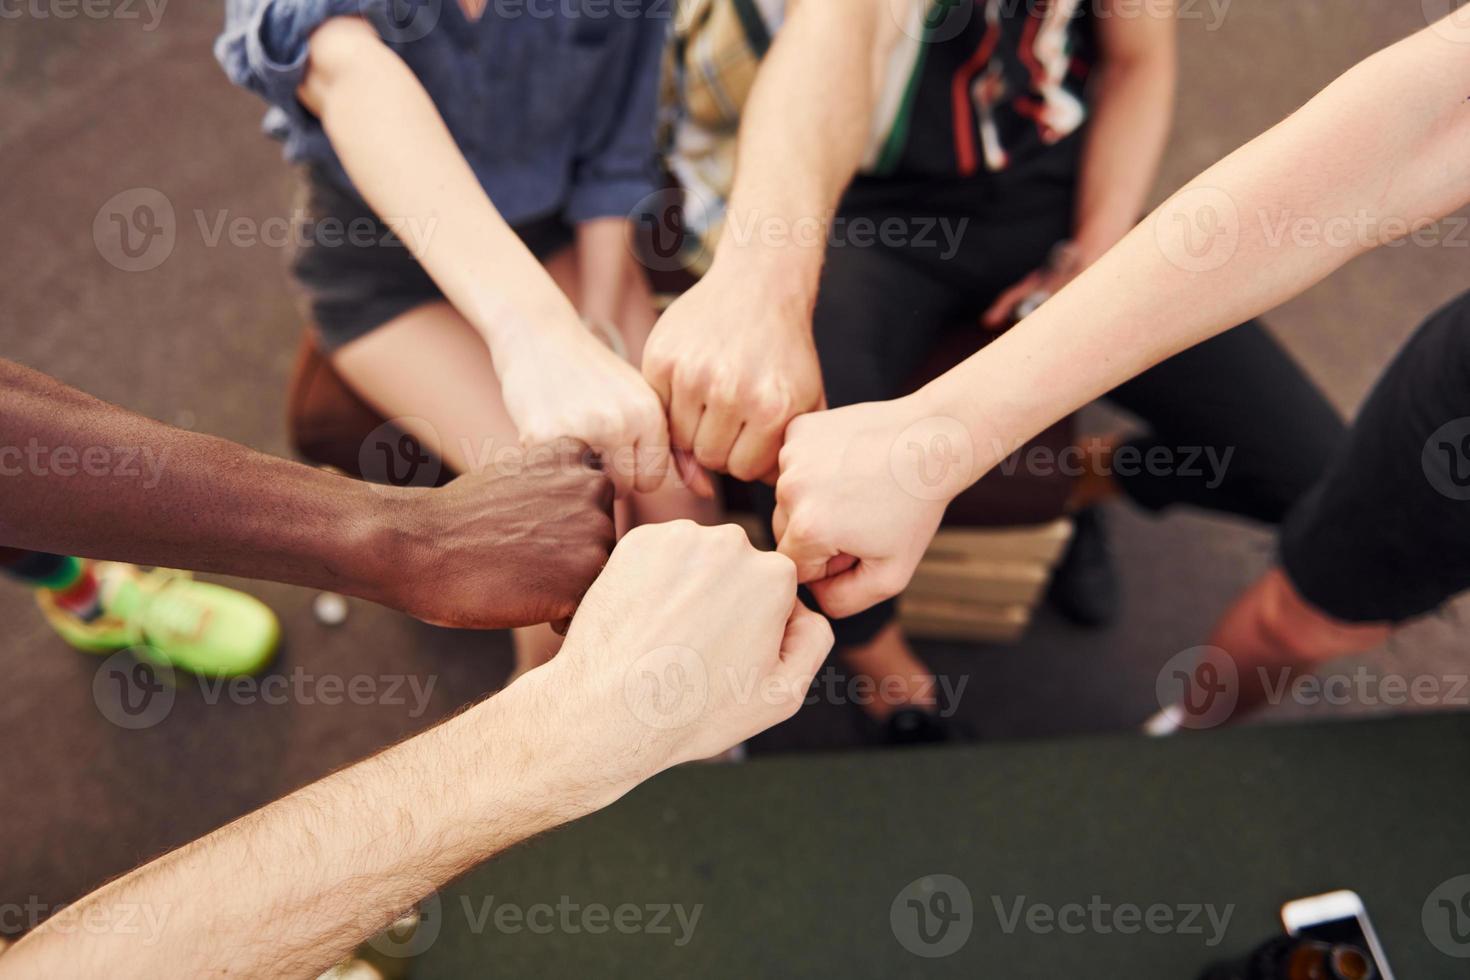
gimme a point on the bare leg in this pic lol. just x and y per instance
(1272, 634)
(899, 677)
(432, 371)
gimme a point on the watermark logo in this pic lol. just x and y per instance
(667, 688)
(392, 456)
(1202, 684)
(670, 230)
(133, 691)
(933, 916)
(1446, 917)
(933, 458)
(403, 21)
(934, 21)
(135, 230)
(1198, 230)
(1450, 19)
(1446, 459)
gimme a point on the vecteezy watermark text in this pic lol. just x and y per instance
(568, 917)
(123, 462)
(85, 9)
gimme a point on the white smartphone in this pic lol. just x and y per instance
(1340, 922)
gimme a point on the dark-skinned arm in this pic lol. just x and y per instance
(511, 547)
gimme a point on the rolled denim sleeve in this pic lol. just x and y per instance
(619, 167)
(264, 44)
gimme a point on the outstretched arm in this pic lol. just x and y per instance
(1382, 151)
(557, 377)
(733, 358)
(330, 865)
(508, 547)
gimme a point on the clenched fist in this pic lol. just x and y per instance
(690, 642)
(562, 381)
(733, 370)
(861, 493)
(515, 546)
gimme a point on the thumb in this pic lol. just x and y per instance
(805, 646)
(693, 475)
(808, 553)
(860, 587)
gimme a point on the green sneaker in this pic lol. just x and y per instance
(187, 625)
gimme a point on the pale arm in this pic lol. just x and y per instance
(289, 890)
(557, 379)
(1389, 143)
(733, 359)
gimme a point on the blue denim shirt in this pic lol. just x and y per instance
(552, 102)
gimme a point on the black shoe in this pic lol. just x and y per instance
(915, 726)
(1084, 587)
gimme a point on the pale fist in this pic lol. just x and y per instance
(732, 370)
(691, 641)
(861, 493)
(565, 382)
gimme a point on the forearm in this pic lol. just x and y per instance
(415, 178)
(291, 889)
(1386, 146)
(1132, 105)
(85, 477)
(802, 138)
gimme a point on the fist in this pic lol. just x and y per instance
(732, 372)
(690, 642)
(512, 546)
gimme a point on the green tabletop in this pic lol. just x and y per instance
(1103, 857)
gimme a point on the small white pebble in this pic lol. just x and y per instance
(330, 609)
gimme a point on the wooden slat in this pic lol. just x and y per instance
(1044, 544)
(938, 619)
(992, 582)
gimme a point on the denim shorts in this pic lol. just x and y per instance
(356, 274)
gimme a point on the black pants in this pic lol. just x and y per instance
(910, 260)
(1385, 536)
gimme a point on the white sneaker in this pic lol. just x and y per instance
(1165, 723)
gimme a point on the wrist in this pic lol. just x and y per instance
(385, 544)
(578, 765)
(944, 399)
(510, 327)
(785, 276)
(1096, 237)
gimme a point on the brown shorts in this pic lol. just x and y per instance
(356, 274)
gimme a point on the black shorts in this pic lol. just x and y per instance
(356, 274)
(1385, 536)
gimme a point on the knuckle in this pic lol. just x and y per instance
(770, 406)
(780, 569)
(731, 536)
(802, 525)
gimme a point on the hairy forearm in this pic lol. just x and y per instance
(85, 477)
(1132, 103)
(291, 889)
(401, 157)
(1384, 147)
(802, 136)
